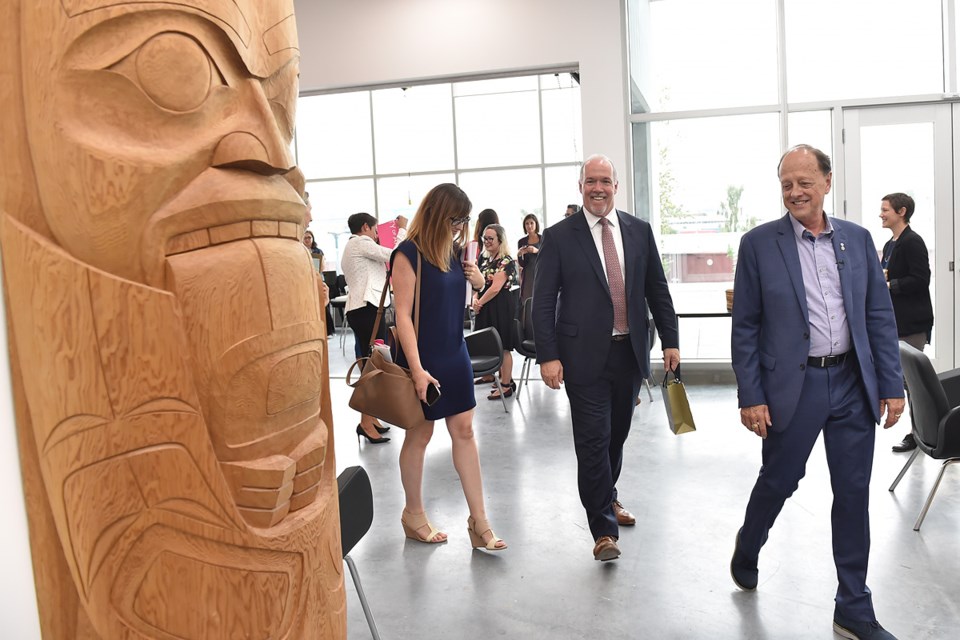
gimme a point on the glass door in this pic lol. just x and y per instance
(908, 149)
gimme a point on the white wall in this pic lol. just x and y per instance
(18, 601)
(350, 43)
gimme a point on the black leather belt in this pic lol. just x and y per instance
(620, 337)
(822, 362)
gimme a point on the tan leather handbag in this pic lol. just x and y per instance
(384, 389)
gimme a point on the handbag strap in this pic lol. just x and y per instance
(383, 297)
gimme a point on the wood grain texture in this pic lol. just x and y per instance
(167, 343)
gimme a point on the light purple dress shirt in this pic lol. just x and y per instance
(829, 332)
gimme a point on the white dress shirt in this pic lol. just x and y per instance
(364, 265)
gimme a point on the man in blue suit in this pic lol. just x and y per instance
(597, 270)
(815, 349)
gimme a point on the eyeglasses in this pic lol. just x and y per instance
(456, 222)
(489, 239)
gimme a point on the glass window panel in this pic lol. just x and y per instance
(512, 194)
(498, 130)
(401, 195)
(413, 129)
(562, 189)
(852, 49)
(562, 136)
(713, 179)
(495, 85)
(333, 135)
(333, 202)
(814, 128)
(702, 51)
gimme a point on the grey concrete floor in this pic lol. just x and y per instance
(672, 581)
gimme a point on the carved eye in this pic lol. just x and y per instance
(173, 69)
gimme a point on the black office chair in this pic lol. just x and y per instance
(526, 346)
(936, 420)
(356, 516)
(486, 356)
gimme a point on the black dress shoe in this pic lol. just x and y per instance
(854, 630)
(909, 443)
(382, 429)
(743, 571)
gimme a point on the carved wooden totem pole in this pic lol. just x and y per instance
(165, 323)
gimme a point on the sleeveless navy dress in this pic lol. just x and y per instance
(443, 352)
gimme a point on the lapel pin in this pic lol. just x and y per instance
(842, 247)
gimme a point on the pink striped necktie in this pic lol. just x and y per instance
(614, 278)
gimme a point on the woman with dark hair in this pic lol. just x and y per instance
(484, 220)
(436, 354)
(317, 254)
(527, 249)
(494, 302)
(906, 265)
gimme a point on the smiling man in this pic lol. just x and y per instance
(168, 349)
(598, 270)
(814, 349)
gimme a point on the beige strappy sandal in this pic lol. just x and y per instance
(413, 521)
(476, 529)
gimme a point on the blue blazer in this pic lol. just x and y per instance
(771, 338)
(572, 307)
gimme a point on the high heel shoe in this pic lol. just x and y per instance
(476, 529)
(411, 522)
(361, 432)
(508, 390)
(381, 428)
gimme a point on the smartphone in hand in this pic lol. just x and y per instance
(433, 394)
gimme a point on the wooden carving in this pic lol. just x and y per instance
(167, 342)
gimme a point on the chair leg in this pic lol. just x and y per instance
(363, 598)
(933, 492)
(523, 370)
(913, 456)
(496, 377)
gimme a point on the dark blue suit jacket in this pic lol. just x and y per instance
(771, 337)
(572, 308)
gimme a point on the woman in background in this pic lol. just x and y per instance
(311, 244)
(436, 354)
(494, 303)
(906, 265)
(527, 249)
(485, 219)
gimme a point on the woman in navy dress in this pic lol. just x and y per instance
(438, 354)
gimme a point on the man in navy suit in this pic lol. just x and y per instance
(597, 270)
(814, 348)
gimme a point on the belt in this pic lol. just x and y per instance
(823, 362)
(620, 337)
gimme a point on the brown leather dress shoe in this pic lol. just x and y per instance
(624, 517)
(606, 549)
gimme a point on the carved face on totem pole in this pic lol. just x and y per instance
(165, 320)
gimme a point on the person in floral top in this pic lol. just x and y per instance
(494, 303)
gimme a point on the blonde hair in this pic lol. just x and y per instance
(504, 250)
(430, 229)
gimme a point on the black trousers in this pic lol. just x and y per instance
(361, 322)
(602, 410)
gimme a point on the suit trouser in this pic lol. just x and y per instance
(832, 401)
(602, 410)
